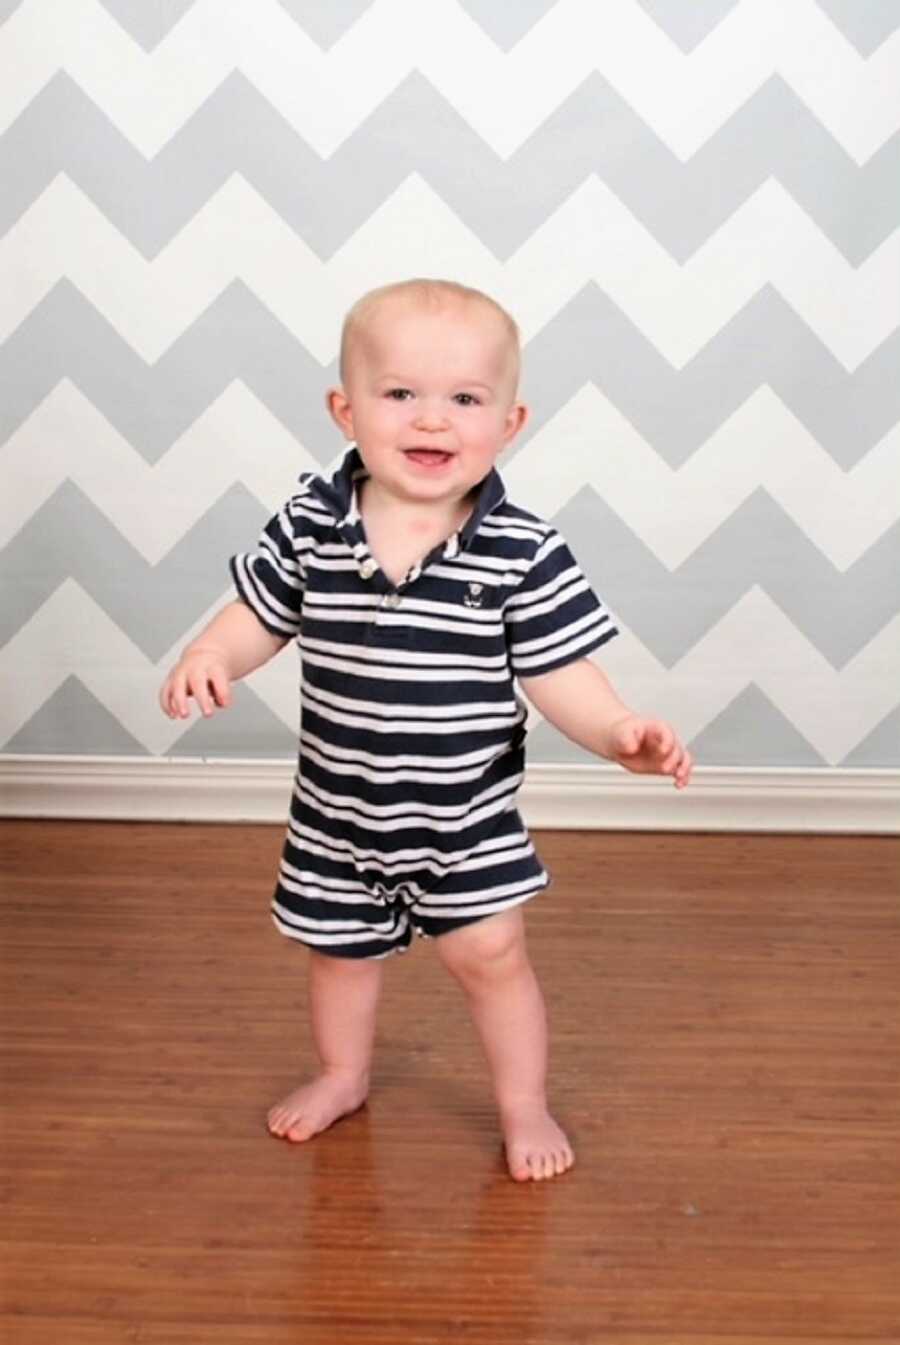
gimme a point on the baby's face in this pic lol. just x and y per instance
(429, 397)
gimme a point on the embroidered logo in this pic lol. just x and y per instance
(475, 595)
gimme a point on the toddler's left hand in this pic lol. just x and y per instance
(650, 747)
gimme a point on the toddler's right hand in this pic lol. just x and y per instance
(199, 673)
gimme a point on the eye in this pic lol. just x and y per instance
(398, 394)
(467, 399)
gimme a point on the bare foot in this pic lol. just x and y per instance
(315, 1106)
(535, 1145)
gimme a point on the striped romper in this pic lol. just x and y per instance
(403, 816)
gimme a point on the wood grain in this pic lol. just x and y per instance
(726, 1056)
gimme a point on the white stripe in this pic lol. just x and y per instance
(439, 662)
(345, 560)
(406, 816)
(596, 618)
(417, 727)
(390, 862)
(477, 861)
(390, 775)
(330, 889)
(567, 651)
(351, 931)
(383, 673)
(262, 603)
(453, 609)
(405, 710)
(568, 588)
(470, 566)
(405, 616)
(517, 894)
(354, 760)
(512, 531)
(289, 570)
(557, 591)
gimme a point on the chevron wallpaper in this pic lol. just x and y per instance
(692, 207)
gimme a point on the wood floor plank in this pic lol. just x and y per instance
(726, 1055)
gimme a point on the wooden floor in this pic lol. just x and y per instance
(726, 1027)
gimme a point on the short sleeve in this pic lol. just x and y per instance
(270, 580)
(554, 617)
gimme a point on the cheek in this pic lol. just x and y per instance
(488, 432)
(375, 419)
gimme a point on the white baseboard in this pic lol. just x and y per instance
(582, 798)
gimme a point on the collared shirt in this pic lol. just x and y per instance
(412, 733)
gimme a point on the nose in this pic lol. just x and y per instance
(430, 415)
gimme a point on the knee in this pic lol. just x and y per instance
(487, 952)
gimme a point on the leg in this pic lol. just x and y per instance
(343, 996)
(490, 961)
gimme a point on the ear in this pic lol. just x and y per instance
(341, 411)
(516, 417)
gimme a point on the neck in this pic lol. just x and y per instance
(414, 516)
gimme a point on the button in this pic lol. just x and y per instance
(368, 568)
(392, 600)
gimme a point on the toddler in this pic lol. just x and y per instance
(420, 598)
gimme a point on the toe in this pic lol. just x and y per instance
(537, 1167)
(280, 1118)
(299, 1132)
(518, 1165)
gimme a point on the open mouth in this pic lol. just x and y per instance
(428, 457)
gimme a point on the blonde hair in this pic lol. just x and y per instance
(427, 293)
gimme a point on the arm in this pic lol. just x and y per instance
(233, 644)
(580, 701)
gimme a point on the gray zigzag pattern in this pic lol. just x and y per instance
(147, 23)
(68, 537)
(74, 721)
(757, 544)
(590, 340)
(688, 25)
(865, 23)
(766, 343)
(773, 135)
(325, 24)
(236, 338)
(507, 24)
(880, 747)
(750, 726)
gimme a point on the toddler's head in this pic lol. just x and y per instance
(407, 300)
(429, 375)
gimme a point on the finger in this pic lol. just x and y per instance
(199, 688)
(671, 763)
(178, 697)
(685, 771)
(221, 688)
(164, 698)
(681, 771)
(662, 739)
(627, 740)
